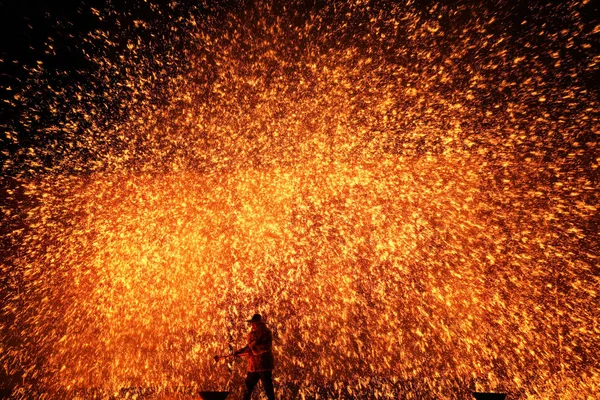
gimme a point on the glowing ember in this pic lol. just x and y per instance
(408, 193)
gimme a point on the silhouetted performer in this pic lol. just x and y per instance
(259, 352)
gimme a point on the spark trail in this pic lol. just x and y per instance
(408, 193)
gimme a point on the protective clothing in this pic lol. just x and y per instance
(259, 349)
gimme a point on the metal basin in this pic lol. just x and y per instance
(213, 395)
(489, 396)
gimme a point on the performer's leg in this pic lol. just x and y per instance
(267, 381)
(251, 381)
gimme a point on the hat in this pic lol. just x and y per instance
(255, 318)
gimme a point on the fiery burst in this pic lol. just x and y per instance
(408, 193)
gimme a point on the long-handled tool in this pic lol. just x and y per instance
(244, 354)
(219, 358)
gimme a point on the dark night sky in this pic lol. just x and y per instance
(30, 26)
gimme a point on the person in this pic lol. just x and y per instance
(259, 352)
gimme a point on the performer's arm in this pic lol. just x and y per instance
(243, 350)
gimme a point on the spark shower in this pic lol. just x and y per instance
(408, 192)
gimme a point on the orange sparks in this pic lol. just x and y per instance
(409, 194)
